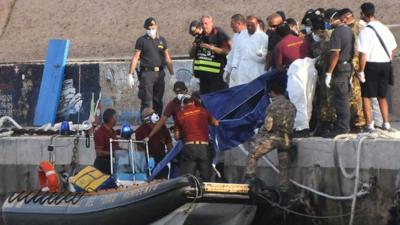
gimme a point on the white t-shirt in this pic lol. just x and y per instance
(368, 42)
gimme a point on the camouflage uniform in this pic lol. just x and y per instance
(356, 109)
(323, 106)
(276, 133)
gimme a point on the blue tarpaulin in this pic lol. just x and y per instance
(240, 110)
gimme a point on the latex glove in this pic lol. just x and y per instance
(172, 80)
(328, 80)
(226, 76)
(132, 80)
(361, 77)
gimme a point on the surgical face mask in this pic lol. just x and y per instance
(316, 37)
(308, 29)
(180, 96)
(153, 118)
(151, 33)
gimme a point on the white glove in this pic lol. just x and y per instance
(361, 77)
(328, 80)
(226, 76)
(131, 79)
(172, 79)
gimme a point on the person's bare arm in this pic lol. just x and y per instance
(268, 59)
(134, 61)
(362, 62)
(101, 152)
(169, 62)
(177, 134)
(220, 51)
(158, 126)
(333, 61)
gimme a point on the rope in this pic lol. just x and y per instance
(325, 195)
(276, 205)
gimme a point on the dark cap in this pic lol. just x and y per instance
(194, 25)
(344, 11)
(329, 13)
(148, 22)
(179, 85)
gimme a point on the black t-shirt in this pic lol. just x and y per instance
(273, 39)
(152, 50)
(342, 40)
(220, 39)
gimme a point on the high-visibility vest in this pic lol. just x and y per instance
(207, 63)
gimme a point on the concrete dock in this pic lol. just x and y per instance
(315, 166)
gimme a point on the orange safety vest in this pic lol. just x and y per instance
(48, 177)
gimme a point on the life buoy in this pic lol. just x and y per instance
(48, 177)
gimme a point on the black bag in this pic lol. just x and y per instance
(391, 74)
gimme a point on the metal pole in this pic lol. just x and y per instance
(130, 150)
(111, 158)
(148, 157)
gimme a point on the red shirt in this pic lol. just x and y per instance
(193, 122)
(291, 48)
(157, 142)
(174, 107)
(102, 141)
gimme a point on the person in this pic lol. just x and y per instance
(294, 27)
(192, 127)
(238, 24)
(376, 45)
(250, 51)
(357, 119)
(210, 57)
(289, 48)
(152, 50)
(275, 133)
(261, 25)
(274, 21)
(339, 72)
(324, 115)
(102, 138)
(173, 107)
(160, 143)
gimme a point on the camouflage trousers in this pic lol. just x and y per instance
(357, 118)
(264, 145)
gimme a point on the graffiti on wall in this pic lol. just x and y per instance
(81, 88)
(19, 85)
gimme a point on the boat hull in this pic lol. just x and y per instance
(140, 205)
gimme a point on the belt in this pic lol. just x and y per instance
(196, 143)
(155, 69)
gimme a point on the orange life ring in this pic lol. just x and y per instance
(48, 177)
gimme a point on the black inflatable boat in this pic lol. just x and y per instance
(139, 204)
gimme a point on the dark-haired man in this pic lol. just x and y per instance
(289, 48)
(375, 45)
(192, 128)
(339, 72)
(152, 51)
(102, 141)
(275, 133)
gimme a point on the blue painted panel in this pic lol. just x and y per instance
(52, 80)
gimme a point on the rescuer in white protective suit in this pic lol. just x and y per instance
(302, 79)
(238, 25)
(249, 57)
